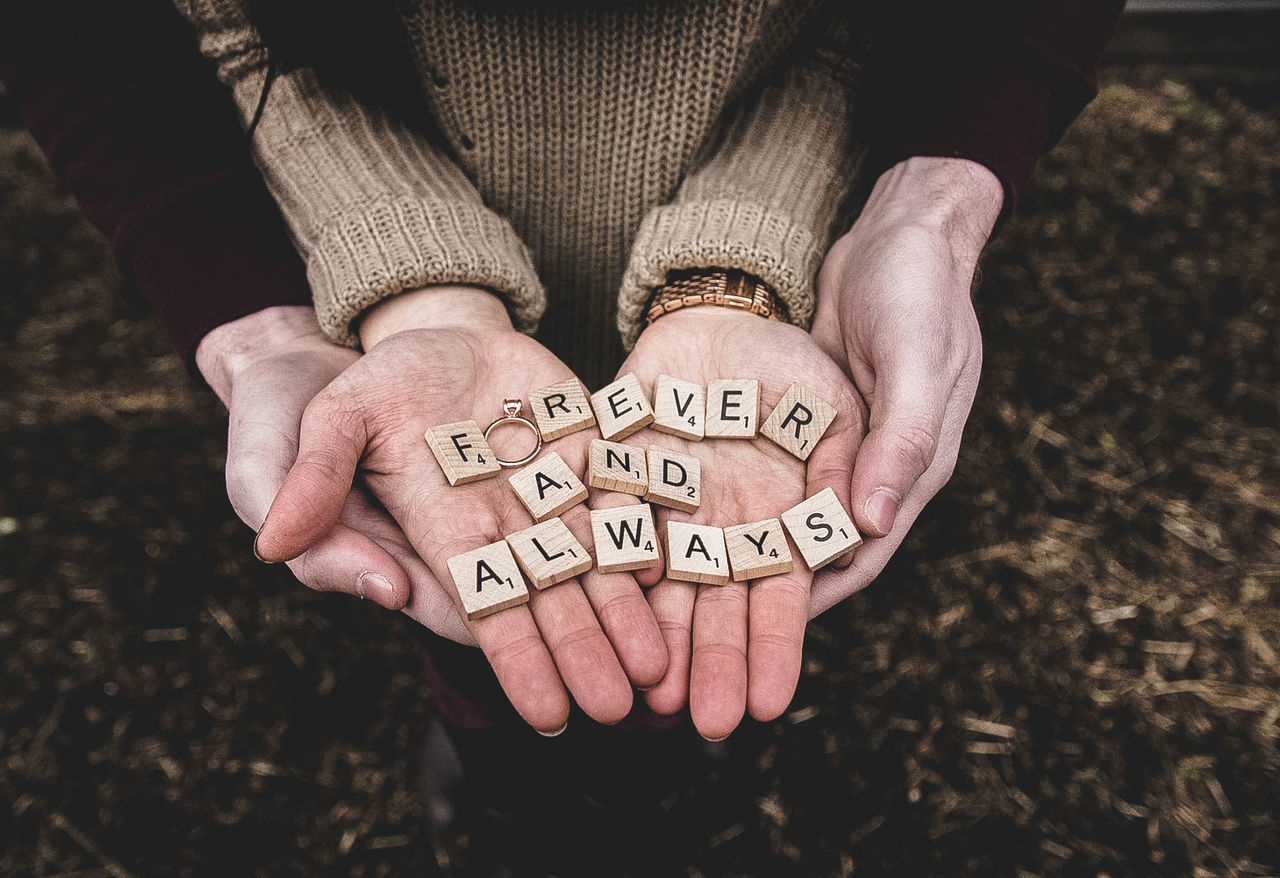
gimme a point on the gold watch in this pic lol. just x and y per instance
(727, 287)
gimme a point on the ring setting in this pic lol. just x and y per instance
(512, 408)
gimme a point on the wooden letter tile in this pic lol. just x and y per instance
(488, 580)
(798, 421)
(696, 553)
(561, 409)
(625, 538)
(679, 407)
(463, 453)
(821, 529)
(757, 550)
(675, 479)
(547, 487)
(618, 467)
(621, 408)
(549, 553)
(733, 408)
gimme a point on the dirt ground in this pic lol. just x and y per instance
(1071, 668)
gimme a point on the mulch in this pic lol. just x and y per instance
(1072, 667)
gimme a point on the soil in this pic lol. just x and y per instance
(1072, 667)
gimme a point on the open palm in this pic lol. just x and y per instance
(589, 634)
(735, 647)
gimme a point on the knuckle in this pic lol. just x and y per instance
(510, 653)
(617, 608)
(787, 642)
(720, 650)
(582, 636)
(913, 445)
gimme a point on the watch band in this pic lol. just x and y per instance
(726, 287)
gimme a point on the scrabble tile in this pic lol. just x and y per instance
(733, 409)
(679, 407)
(549, 553)
(621, 408)
(547, 487)
(675, 479)
(561, 409)
(696, 553)
(798, 421)
(618, 467)
(463, 453)
(757, 550)
(625, 538)
(488, 580)
(821, 529)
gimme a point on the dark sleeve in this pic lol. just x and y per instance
(138, 128)
(997, 83)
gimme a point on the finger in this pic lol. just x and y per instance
(831, 463)
(778, 608)
(623, 612)
(906, 420)
(582, 653)
(311, 498)
(830, 587)
(347, 561)
(525, 669)
(672, 605)
(511, 639)
(718, 668)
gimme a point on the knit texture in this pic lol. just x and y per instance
(589, 149)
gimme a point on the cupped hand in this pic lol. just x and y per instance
(894, 310)
(437, 356)
(738, 646)
(266, 368)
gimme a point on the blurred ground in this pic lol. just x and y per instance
(1070, 669)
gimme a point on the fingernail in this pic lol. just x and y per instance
(375, 586)
(843, 562)
(881, 509)
(258, 554)
(716, 740)
(559, 731)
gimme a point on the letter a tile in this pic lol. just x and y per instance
(757, 550)
(696, 553)
(821, 529)
(549, 553)
(547, 487)
(675, 479)
(798, 421)
(679, 407)
(618, 467)
(625, 538)
(733, 408)
(621, 408)
(488, 580)
(561, 409)
(463, 453)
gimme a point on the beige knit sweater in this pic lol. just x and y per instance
(591, 151)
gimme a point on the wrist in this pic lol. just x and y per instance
(957, 198)
(433, 307)
(229, 349)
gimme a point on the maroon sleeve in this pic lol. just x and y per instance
(137, 127)
(994, 82)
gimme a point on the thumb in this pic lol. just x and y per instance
(906, 421)
(310, 501)
(831, 463)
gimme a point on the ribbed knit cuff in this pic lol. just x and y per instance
(364, 255)
(720, 234)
